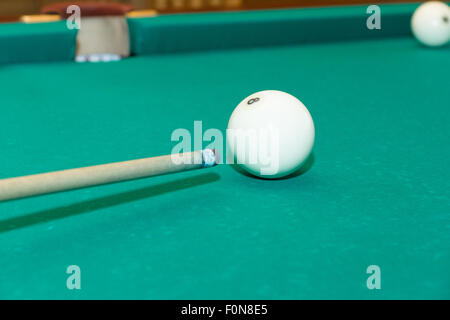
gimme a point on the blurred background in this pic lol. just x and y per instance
(11, 10)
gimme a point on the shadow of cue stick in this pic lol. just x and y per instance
(105, 202)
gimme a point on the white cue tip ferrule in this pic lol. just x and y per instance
(209, 158)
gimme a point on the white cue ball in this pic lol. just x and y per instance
(270, 134)
(430, 23)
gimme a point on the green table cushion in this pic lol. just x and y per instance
(195, 32)
(37, 42)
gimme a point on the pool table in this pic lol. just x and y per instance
(376, 190)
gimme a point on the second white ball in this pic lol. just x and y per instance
(430, 23)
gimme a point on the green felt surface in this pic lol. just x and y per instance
(37, 42)
(377, 191)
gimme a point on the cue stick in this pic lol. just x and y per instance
(57, 181)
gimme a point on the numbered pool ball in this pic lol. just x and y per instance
(270, 134)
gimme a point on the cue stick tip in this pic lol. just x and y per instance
(210, 158)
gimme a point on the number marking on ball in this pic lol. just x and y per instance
(252, 101)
